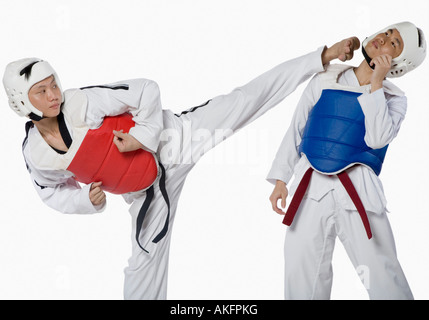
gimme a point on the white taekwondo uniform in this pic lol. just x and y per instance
(166, 135)
(327, 211)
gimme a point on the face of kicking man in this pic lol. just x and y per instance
(46, 97)
(387, 43)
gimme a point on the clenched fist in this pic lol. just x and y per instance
(96, 194)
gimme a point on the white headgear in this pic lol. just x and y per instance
(412, 55)
(18, 79)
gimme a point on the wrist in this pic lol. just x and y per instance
(280, 183)
(376, 85)
(327, 55)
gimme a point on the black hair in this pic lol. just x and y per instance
(27, 70)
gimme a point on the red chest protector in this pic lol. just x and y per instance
(98, 159)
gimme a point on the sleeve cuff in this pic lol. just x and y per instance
(315, 61)
(278, 174)
(145, 137)
(370, 101)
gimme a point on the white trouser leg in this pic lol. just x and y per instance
(147, 272)
(375, 260)
(309, 245)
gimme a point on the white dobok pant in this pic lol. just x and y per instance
(185, 138)
(309, 246)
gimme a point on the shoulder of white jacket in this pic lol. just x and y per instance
(334, 70)
(75, 106)
(332, 73)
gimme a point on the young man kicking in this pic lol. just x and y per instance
(117, 138)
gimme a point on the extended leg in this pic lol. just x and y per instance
(220, 117)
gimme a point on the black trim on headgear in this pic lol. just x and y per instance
(367, 58)
(27, 70)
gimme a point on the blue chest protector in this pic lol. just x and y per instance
(333, 138)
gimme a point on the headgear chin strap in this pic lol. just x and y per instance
(367, 58)
(412, 55)
(34, 116)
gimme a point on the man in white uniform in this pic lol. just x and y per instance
(117, 138)
(335, 147)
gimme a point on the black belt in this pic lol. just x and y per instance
(145, 208)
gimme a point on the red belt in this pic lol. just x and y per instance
(348, 185)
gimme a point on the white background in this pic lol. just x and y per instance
(227, 243)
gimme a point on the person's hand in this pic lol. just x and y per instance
(280, 192)
(382, 64)
(96, 194)
(347, 47)
(342, 50)
(125, 142)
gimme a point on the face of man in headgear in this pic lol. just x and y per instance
(46, 97)
(389, 42)
(403, 41)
